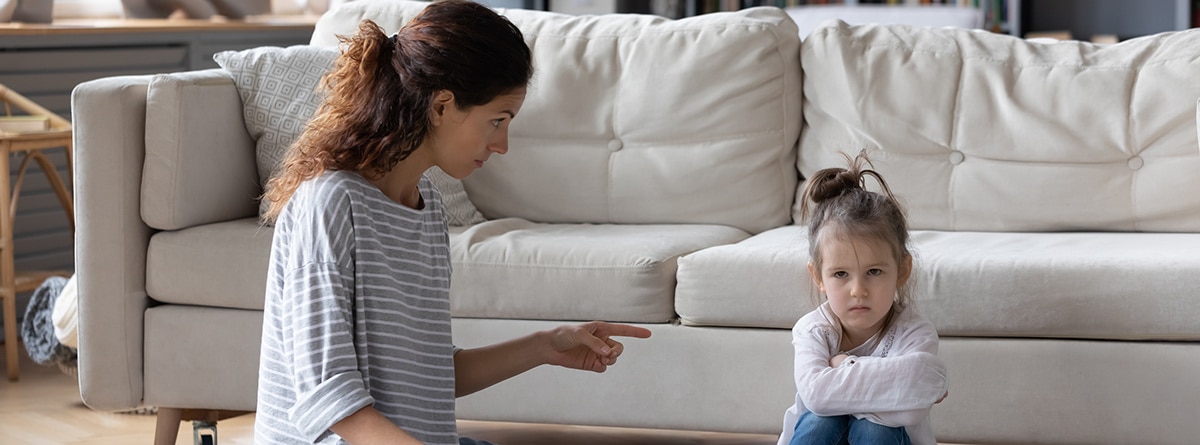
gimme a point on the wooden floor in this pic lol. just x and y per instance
(44, 408)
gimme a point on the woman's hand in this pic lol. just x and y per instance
(590, 346)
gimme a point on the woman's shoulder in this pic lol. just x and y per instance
(327, 195)
(334, 181)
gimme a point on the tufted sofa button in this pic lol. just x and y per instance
(614, 145)
(1136, 163)
(957, 157)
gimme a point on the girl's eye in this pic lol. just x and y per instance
(839, 274)
(875, 272)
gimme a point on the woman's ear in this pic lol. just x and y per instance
(905, 270)
(440, 106)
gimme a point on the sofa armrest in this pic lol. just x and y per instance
(111, 239)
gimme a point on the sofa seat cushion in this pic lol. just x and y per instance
(1130, 286)
(759, 282)
(513, 268)
(220, 265)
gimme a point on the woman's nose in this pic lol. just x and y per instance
(500, 144)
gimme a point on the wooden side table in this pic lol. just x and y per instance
(31, 145)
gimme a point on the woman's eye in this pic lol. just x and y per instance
(496, 122)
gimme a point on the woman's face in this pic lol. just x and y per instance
(464, 139)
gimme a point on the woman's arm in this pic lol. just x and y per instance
(588, 347)
(368, 426)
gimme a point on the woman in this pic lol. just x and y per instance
(356, 338)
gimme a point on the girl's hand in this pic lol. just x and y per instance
(837, 360)
(590, 346)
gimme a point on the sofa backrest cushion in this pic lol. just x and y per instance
(199, 165)
(640, 119)
(982, 131)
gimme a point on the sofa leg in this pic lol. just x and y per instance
(166, 429)
(204, 432)
(204, 424)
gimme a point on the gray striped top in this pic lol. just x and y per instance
(357, 313)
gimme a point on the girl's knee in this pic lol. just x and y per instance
(865, 431)
(814, 429)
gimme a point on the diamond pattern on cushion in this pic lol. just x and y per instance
(279, 94)
(458, 208)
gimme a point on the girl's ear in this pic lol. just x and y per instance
(905, 270)
(442, 101)
(816, 277)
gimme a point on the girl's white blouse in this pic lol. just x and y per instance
(895, 381)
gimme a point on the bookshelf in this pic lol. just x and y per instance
(1082, 19)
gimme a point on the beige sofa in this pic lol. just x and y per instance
(651, 180)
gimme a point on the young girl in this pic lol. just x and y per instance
(866, 363)
(356, 343)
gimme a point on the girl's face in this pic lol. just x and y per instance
(464, 139)
(860, 276)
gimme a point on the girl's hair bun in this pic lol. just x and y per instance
(828, 184)
(832, 182)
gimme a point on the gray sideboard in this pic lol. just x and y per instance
(44, 62)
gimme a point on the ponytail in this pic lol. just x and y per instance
(379, 94)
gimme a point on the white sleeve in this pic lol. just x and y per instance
(912, 378)
(916, 338)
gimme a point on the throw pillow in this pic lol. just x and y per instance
(458, 208)
(278, 87)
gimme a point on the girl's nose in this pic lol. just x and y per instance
(859, 289)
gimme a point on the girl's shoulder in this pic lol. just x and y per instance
(818, 323)
(911, 320)
(821, 316)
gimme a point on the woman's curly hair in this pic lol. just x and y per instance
(378, 97)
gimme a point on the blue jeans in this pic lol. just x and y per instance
(470, 441)
(844, 430)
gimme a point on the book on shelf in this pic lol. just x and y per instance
(24, 124)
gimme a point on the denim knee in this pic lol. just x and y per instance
(812, 429)
(864, 431)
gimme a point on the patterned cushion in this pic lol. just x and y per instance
(278, 90)
(278, 87)
(458, 208)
